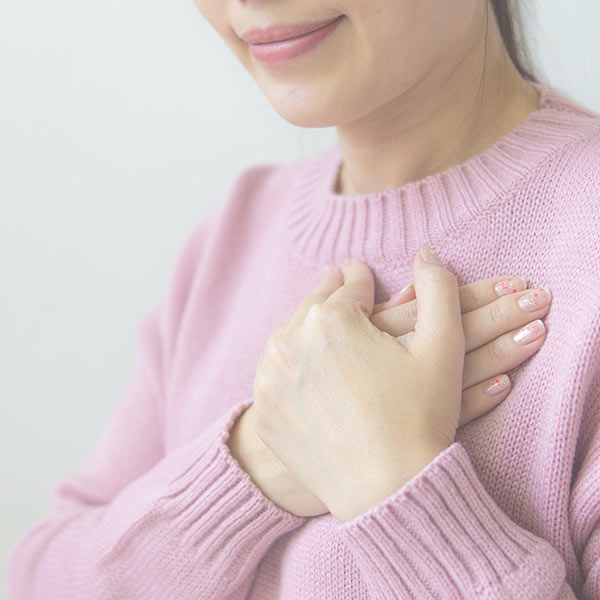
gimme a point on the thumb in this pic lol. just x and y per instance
(358, 285)
(439, 315)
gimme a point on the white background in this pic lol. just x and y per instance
(116, 128)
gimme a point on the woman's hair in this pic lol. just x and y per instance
(510, 24)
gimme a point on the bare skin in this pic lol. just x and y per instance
(488, 322)
(413, 88)
(400, 81)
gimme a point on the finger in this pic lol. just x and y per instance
(480, 325)
(330, 282)
(472, 296)
(505, 314)
(406, 294)
(501, 355)
(477, 401)
(438, 305)
(482, 292)
(359, 286)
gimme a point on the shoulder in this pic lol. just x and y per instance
(259, 198)
(568, 186)
(566, 181)
(260, 189)
(575, 164)
(215, 240)
(580, 158)
(574, 175)
(250, 206)
(563, 200)
(248, 191)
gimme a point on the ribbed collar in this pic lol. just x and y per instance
(392, 224)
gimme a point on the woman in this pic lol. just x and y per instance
(289, 433)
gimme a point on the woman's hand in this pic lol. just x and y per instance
(351, 411)
(493, 311)
(487, 316)
(269, 474)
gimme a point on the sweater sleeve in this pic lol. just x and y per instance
(441, 535)
(136, 523)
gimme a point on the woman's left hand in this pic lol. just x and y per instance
(351, 411)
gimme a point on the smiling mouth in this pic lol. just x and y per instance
(283, 33)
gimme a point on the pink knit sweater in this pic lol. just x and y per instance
(160, 509)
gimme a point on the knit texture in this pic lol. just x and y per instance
(161, 510)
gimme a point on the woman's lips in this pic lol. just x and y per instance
(275, 53)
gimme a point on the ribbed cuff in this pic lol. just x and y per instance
(196, 512)
(220, 508)
(441, 535)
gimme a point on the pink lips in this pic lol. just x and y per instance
(292, 41)
(280, 32)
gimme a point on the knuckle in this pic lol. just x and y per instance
(447, 278)
(312, 299)
(260, 387)
(496, 350)
(440, 277)
(411, 312)
(322, 316)
(497, 315)
(279, 347)
(317, 314)
(354, 310)
(473, 295)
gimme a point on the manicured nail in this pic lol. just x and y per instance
(512, 285)
(535, 299)
(499, 384)
(429, 256)
(390, 302)
(530, 332)
(404, 289)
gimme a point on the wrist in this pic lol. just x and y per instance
(266, 471)
(251, 453)
(375, 491)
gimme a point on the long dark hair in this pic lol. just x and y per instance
(510, 23)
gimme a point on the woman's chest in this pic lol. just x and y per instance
(311, 563)
(513, 447)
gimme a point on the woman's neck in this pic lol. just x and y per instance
(432, 127)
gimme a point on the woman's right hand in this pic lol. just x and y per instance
(489, 322)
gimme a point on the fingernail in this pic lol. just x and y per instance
(530, 332)
(346, 263)
(535, 299)
(429, 256)
(512, 285)
(392, 299)
(404, 289)
(499, 384)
